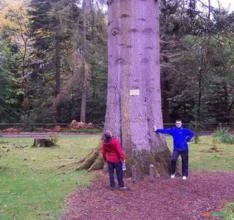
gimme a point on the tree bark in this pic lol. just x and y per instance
(134, 93)
(57, 71)
(84, 70)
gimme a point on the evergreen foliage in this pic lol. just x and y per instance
(41, 55)
(10, 93)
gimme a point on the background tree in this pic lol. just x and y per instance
(73, 59)
(188, 37)
(14, 55)
(10, 95)
(43, 65)
(49, 37)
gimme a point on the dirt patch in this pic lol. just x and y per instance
(211, 150)
(163, 199)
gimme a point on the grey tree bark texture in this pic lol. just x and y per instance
(134, 93)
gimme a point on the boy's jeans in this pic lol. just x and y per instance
(184, 157)
(119, 172)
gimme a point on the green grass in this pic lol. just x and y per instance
(210, 155)
(227, 213)
(34, 182)
(31, 182)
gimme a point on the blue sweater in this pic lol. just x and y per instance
(180, 137)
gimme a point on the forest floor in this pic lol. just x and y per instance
(196, 198)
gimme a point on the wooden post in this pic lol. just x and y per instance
(151, 172)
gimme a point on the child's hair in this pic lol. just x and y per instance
(107, 136)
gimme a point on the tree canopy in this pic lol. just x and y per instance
(43, 62)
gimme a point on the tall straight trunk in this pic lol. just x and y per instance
(57, 68)
(57, 73)
(134, 93)
(209, 9)
(24, 53)
(84, 91)
(165, 102)
(198, 115)
(226, 114)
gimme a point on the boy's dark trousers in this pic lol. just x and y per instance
(119, 172)
(184, 157)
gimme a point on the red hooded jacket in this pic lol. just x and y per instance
(112, 151)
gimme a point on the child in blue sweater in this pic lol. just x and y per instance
(181, 136)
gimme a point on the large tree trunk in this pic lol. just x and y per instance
(134, 94)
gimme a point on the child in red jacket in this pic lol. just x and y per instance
(114, 156)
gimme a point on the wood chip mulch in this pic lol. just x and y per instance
(164, 199)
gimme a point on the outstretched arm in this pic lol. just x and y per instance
(162, 130)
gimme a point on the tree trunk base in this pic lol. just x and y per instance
(155, 164)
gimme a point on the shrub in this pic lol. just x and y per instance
(230, 211)
(223, 135)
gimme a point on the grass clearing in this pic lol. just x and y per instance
(32, 186)
(209, 154)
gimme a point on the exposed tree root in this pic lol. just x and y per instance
(93, 161)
